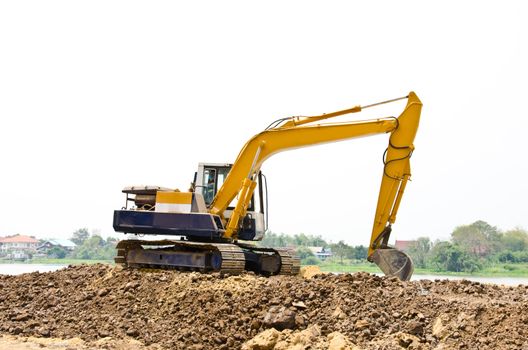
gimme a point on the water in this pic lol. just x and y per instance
(17, 269)
(507, 281)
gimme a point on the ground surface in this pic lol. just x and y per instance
(104, 307)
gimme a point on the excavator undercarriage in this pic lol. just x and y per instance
(201, 246)
(225, 258)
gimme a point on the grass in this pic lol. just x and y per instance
(496, 270)
(510, 270)
(350, 267)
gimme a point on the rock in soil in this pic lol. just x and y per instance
(280, 317)
(105, 307)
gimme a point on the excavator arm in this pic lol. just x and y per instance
(299, 132)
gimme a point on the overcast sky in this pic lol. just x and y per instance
(98, 95)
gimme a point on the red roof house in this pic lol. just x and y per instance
(18, 242)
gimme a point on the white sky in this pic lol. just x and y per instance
(98, 95)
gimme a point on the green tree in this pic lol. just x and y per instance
(281, 240)
(419, 251)
(79, 236)
(275, 240)
(301, 239)
(311, 260)
(439, 255)
(303, 252)
(506, 256)
(492, 234)
(316, 241)
(515, 240)
(473, 238)
(95, 247)
(521, 256)
(451, 257)
(57, 252)
(359, 252)
(341, 250)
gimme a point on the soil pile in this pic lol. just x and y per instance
(170, 309)
(9, 342)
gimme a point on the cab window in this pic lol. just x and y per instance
(209, 183)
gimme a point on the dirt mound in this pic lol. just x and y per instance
(310, 337)
(310, 271)
(170, 309)
(9, 342)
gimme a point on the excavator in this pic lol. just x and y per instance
(214, 225)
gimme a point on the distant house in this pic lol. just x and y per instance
(58, 242)
(18, 246)
(321, 252)
(404, 246)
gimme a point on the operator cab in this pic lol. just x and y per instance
(209, 179)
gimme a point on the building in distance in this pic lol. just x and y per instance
(18, 247)
(65, 244)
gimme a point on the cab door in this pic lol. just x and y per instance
(210, 178)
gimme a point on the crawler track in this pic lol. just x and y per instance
(290, 264)
(184, 255)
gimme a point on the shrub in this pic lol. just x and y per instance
(57, 252)
(510, 267)
(506, 256)
(521, 256)
(311, 260)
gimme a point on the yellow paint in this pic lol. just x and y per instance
(248, 186)
(303, 131)
(174, 197)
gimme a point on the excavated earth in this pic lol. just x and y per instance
(106, 307)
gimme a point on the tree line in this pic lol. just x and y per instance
(471, 248)
(88, 246)
(340, 251)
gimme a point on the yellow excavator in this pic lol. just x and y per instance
(214, 224)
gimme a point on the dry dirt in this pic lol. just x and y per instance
(105, 307)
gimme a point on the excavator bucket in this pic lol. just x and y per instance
(393, 262)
